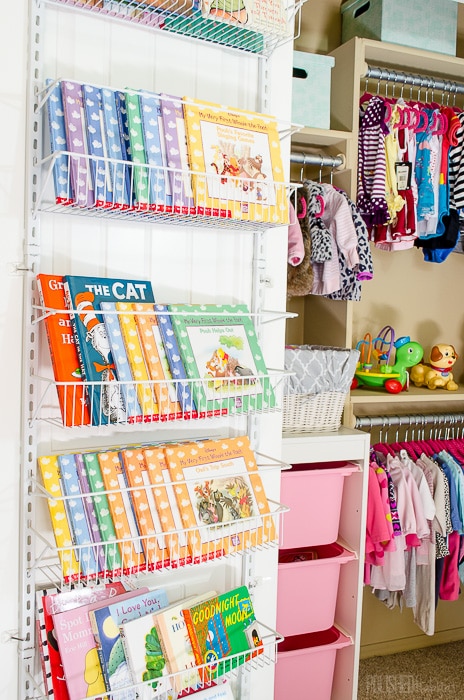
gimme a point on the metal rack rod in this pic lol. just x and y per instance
(418, 420)
(419, 81)
(321, 161)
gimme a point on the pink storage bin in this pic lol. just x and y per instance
(314, 494)
(307, 587)
(306, 663)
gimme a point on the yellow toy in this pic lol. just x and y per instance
(437, 374)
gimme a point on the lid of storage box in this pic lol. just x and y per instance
(313, 640)
(312, 466)
(313, 59)
(316, 555)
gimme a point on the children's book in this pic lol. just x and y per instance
(51, 477)
(63, 353)
(123, 123)
(138, 152)
(155, 150)
(156, 361)
(105, 623)
(120, 506)
(219, 346)
(98, 151)
(58, 142)
(84, 550)
(117, 152)
(221, 627)
(90, 512)
(215, 691)
(237, 164)
(121, 362)
(41, 644)
(102, 510)
(266, 16)
(74, 116)
(83, 298)
(153, 541)
(183, 386)
(177, 155)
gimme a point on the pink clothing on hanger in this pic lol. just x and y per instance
(296, 250)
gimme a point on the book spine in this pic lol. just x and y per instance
(97, 146)
(138, 153)
(176, 152)
(120, 171)
(58, 142)
(90, 512)
(150, 109)
(77, 142)
(101, 658)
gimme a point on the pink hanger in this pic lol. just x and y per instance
(304, 208)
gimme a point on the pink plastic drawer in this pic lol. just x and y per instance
(307, 587)
(314, 494)
(306, 663)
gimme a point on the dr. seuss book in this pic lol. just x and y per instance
(221, 627)
(155, 150)
(63, 353)
(156, 361)
(148, 519)
(117, 152)
(105, 623)
(58, 142)
(96, 138)
(51, 477)
(237, 164)
(83, 297)
(89, 508)
(74, 117)
(219, 346)
(177, 154)
(138, 153)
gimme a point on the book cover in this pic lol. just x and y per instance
(153, 541)
(102, 510)
(97, 147)
(155, 150)
(215, 691)
(120, 507)
(74, 115)
(105, 623)
(176, 154)
(138, 152)
(58, 142)
(117, 151)
(219, 346)
(184, 391)
(50, 472)
(63, 352)
(266, 16)
(83, 298)
(139, 371)
(166, 504)
(41, 644)
(123, 124)
(223, 626)
(84, 550)
(156, 361)
(237, 164)
(121, 361)
(89, 508)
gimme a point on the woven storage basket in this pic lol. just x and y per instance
(303, 413)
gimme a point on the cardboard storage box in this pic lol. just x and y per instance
(311, 89)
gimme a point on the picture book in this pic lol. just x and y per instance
(51, 478)
(183, 386)
(130, 336)
(123, 124)
(105, 622)
(121, 362)
(219, 346)
(166, 504)
(89, 508)
(153, 541)
(223, 626)
(58, 142)
(120, 507)
(63, 353)
(237, 164)
(74, 117)
(215, 691)
(155, 150)
(156, 361)
(266, 16)
(102, 510)
(78, 650)
(117, 152)
(83, 298)
(176, 154)
(84, 550)
(138, 153)
(96, 140)
(41, 644)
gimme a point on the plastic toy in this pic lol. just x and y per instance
(437, 373)
(374, 368)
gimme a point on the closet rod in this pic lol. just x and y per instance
(420, 81)
(408, 420)
(322, 161)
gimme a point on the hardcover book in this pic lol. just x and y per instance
(89, 508)
(138, 153)
(120, 167)
(155, 150)
(83, 298)
(265, 16)
(237, 161)
(51, 477)
(74, 116)
(223, 626)
(177, 155)
(219, 346)
(96, 140)
(63, 352)
(58, 142)
(124, 136)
